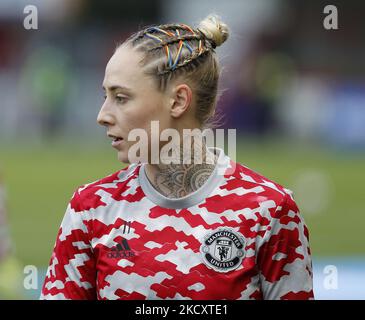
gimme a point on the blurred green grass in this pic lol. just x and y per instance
(40, 180)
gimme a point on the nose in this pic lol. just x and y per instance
(105, 118)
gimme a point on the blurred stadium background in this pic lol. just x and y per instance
(295, 93)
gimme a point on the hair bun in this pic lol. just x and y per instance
(214, 29)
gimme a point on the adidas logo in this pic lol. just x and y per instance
(121, 250)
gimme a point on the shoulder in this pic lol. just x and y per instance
(269, 206)
(248, 183)
(94, 194)
(251, 178)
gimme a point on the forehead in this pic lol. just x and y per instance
(123, 68)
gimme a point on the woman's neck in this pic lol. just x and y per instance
(181, 178)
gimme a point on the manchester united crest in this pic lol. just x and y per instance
(223, 249)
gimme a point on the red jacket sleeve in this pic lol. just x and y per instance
(284, 257)
(71, 273)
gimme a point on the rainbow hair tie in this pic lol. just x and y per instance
(173, 62)
(168, 54)
(178, 55)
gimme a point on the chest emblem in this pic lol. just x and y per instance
(223, 249)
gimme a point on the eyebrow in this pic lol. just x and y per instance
(113, 88)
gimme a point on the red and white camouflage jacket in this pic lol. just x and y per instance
(240, 236)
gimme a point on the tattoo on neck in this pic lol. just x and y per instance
(176, 181)
(179, 180)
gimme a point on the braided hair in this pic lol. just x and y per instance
(177, 50)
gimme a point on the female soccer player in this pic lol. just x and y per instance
(178, 230)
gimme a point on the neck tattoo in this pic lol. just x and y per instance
(179, 180)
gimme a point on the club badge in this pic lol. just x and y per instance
(223, 249)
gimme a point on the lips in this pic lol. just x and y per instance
(114, 137)
(117, 140)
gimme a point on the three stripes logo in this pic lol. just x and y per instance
(122, 249)
(127, 227)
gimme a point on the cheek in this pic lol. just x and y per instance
(141, 114)
(136, 120)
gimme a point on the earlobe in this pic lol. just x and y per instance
(181, 101)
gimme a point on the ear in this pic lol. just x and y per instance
(181, 100)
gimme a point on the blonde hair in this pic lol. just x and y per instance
(172, 51)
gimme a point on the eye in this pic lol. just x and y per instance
(121, 99)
